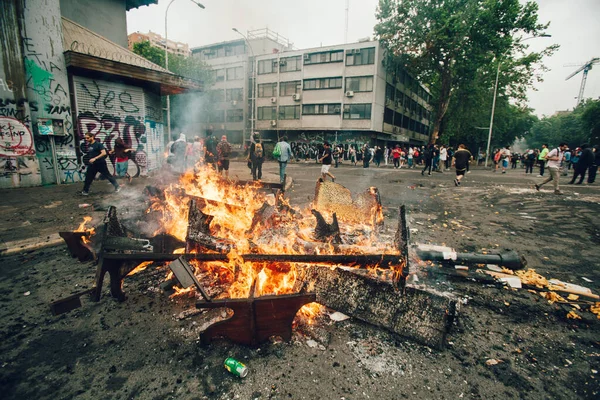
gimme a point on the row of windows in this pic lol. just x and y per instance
(220, 116)
(405, 121)
(290, 64)
(403, 100)
(232, 74)
(227, 50)
(401, 76)
(350, 111)
(219, 96)
(356, 84)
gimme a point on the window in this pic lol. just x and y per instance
(234, 74)
(217, 96)
(398, 119)
(389, 92)
(235, 49)
(290, 64)
(235, 115)
(217, 116)
(405, 121)
(321, 109)
(266, 66)
(267, 90)
(357, 111)
(360, 84)
(324, 57)
(360, 56)
(388, 116)
(267, 113)
(234, 94)
(289, 112)
(219, 75)
(323, 83)
(288, 88)
(399, 98)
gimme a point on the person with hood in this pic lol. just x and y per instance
(179, 149)
(256, 156)
(586, 160)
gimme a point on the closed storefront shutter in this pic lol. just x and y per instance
(113, 110)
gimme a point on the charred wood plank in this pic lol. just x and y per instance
(418, 314)
(325, 231)
(362, 260)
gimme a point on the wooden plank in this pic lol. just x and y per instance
(424, 316)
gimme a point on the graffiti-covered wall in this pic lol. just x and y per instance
(47, 91)
(112, 110)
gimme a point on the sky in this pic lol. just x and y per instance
(312, 23)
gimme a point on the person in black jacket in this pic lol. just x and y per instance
(256, 156)
(428, 159)
(594, 167)
(586, 160)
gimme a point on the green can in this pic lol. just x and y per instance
(235, 367)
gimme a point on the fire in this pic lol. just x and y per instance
(89, 231)
(140, 268)
(233, 211)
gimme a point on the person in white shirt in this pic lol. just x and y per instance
(554, 158)
(444, 158)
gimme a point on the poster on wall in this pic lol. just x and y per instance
(45, 127)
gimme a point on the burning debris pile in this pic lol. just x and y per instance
(242, 246)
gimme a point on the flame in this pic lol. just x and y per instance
(234, 211)
(140, 268)
(89, 231)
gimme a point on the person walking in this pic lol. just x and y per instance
(594, 167)
(352, 153)
(122, 154)
(505, 158)
(96, 163)
(223, 156)
(396, 153)
(586, 160)
(326, 161)
(256, 156)
(210, 148)
(554, 158)
(460, 160)
(443, 158)
(285, 155)
(529, 161)
(542, 159)
(366, 153)
(428, 159)
(179, 149)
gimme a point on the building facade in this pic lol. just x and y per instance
(60, 79)
(156, 40)
(341, 93)
(229, 107)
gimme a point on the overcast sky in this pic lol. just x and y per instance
(574, 25)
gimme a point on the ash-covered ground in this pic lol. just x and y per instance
(148, 346)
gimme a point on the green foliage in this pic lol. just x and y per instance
(456, 44)
(582, 125)
(186, 108)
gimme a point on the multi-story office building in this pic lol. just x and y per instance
(340, 93)
(156, 40)
(229, 104)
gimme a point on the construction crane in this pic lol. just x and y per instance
(585, 68)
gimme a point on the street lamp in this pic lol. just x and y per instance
(253, 92)
(167, 65)
(487, 152)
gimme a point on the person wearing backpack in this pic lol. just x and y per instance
(283, 154)
(256, 156)
(210, 154)
(223, 155)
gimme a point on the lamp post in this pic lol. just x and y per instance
(167, 65)
(253, 92)
(487, 152)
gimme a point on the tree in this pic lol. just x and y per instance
(185, 108)
(449, 44)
